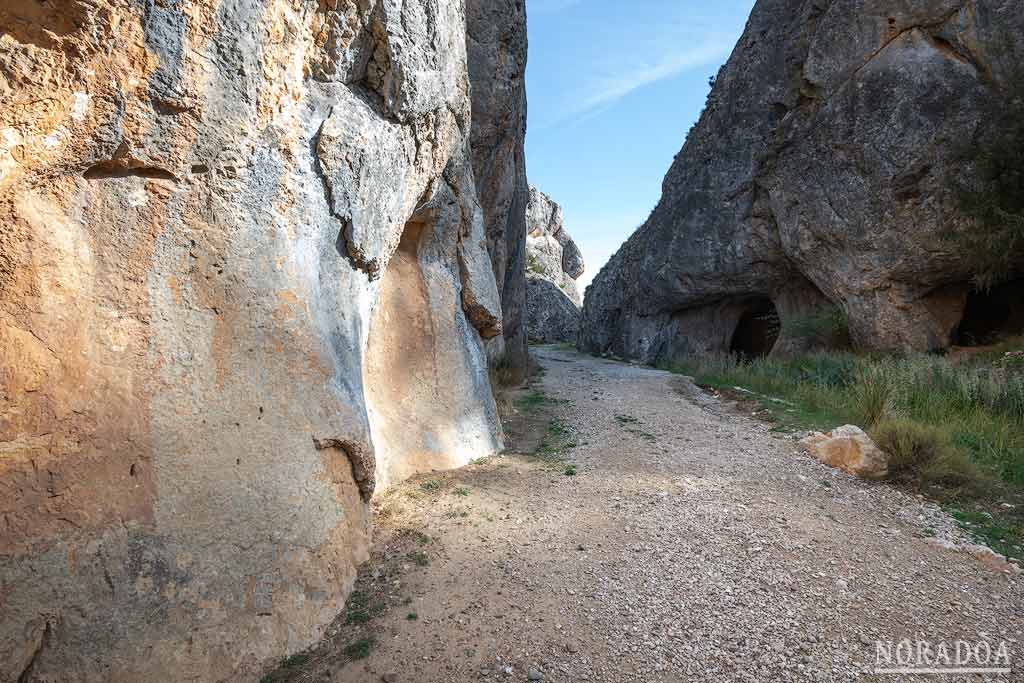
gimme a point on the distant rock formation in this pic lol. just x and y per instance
(496, 44)
(244, 282)
(821, 174)
(553, 262)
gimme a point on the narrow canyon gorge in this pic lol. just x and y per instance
(266, 265)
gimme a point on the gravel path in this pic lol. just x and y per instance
(693, 545)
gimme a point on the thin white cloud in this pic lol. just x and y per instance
(608, 89)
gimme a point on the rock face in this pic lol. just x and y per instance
(496, 43)
(851, 450)
(821, 171)
(553, 262)
(553, 317)
(244, 280)
(550, 251)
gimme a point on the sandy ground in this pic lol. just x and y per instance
(692, 544)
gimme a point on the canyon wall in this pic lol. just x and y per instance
(823, 171)
(244, 281)
(553, 262)
(497, 45)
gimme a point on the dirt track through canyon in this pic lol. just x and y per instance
(692, 544)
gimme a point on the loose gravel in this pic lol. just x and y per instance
(692, 544)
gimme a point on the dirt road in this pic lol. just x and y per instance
(691, 544)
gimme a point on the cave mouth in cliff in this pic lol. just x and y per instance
(757, 330)
(992, 315)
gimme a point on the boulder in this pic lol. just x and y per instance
(849, 449)
(244, 284)
(822, 172)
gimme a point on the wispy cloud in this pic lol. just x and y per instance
(604, 90)
(597, 52)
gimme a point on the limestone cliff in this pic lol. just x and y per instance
(822, 170)
(496, 43)
(553, 262)
(244, 280)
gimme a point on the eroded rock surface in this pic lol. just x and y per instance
(496, 43)
(244, 280)
(821, 171)
(553, 263)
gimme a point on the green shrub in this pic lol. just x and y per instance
(954, 469)
(361, 648)
(910, 445)
(871, 395)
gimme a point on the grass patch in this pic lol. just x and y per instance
(420, 558)
(360, 649)
(632, 425)
(292, 661)
(954, 431)
(647, 436)
(462, 491)
(1006, 538)
(534, 400)
(570, 471)
(431, 486)
(558, 428)
(557, 442)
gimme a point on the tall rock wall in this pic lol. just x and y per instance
(244, 281)
(497, 45)
(822, 170)
(553, 263)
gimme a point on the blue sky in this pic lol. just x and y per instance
(613, 88)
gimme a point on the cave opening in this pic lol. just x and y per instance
(757, 330)
(992, 315)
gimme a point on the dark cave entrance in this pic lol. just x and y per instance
(992, 315)
(757, 330)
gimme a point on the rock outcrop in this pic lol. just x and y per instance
(552, 316)
(553, 263)
(244, 281)
(821, 172)
(496, 43)
(550, 251)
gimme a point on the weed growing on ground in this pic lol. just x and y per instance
(1005, 538)
(535, 399)
(361, 648)
(294, 660)
(431, 485)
